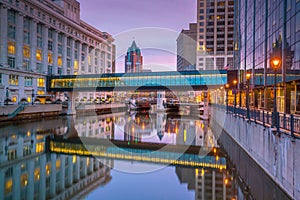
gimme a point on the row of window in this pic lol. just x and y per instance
(14, 80)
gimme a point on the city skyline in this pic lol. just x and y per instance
(139, 15)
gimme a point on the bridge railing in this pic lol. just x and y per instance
(285, 122)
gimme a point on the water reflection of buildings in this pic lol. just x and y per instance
(26, 171)
(207, 183)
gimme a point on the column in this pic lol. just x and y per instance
(30, 186)
(86, 59)
(72, 55)
(45, 50)
(64, 55)
(19, 40)
(42, 179)
(91, 166)
(77, 169)
(16, 190)
(70, 172)
(99, 62)
(62, 172)
(2, 183)
(93, 60)
(55, 52)
(79, 57)
(3, 36)
(161, 100)
(33, 43)
(71, 103)
(53, 175)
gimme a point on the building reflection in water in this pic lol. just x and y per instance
(28, 172)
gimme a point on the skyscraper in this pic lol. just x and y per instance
(263, 26)
(215, 24)
(186, 48)
(133, 59)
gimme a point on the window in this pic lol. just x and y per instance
(39, 67)
(26, 37)
(59, 70)
(59, 61)
(11, 62)
(41, 82)
(0, 78)
(50, 45)
(39, 42)
(11, 17)
(11, 32)
(201, 11)
(13, 79)
(59, 48)
(28, 81)
(11, 48)
(49, 69)
(26, 52)
(50, 59)
(201, 17)
(39, 55)
(26, 65)
(69, 52)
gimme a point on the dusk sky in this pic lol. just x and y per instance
(127, 19)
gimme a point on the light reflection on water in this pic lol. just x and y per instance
(27, 170)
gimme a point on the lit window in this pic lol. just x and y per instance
(75, 64)
(11, 48)
(39, 55)
(48, 167)
(50, 60)
(40, 92)
(57, 164)
(26, 52)
(59, 61)
(14, 99)
(24, 180)
(41, 82)
(13, 80)
(8, 186)
(40, 147)
(37, 174)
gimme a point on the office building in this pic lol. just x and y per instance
(215, 33)
(133, 59)
(186, 48)
(41, 38)
(262, 27)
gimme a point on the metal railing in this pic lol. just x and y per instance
(19, 109)
(287, 122)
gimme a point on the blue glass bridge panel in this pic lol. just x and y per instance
(150, 79)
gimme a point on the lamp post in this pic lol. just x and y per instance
(235, 91)
(32, 96)
(275, 64)
(7, 95)
(248, 76)
(227, 88)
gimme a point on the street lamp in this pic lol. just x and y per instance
(248, 76)
(235, 91)
(32, 96)
(275, 65)
(227, 88)
(7, 95)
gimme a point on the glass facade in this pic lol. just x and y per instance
(154, 79)
(264, 27)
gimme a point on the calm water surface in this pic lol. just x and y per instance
(136, 156)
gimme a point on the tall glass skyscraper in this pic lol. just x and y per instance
(261, 27)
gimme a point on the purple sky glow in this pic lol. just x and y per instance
(125, 17)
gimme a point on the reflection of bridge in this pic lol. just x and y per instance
(192, 156)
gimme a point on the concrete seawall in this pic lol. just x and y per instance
(31, 111)
(277, 154)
